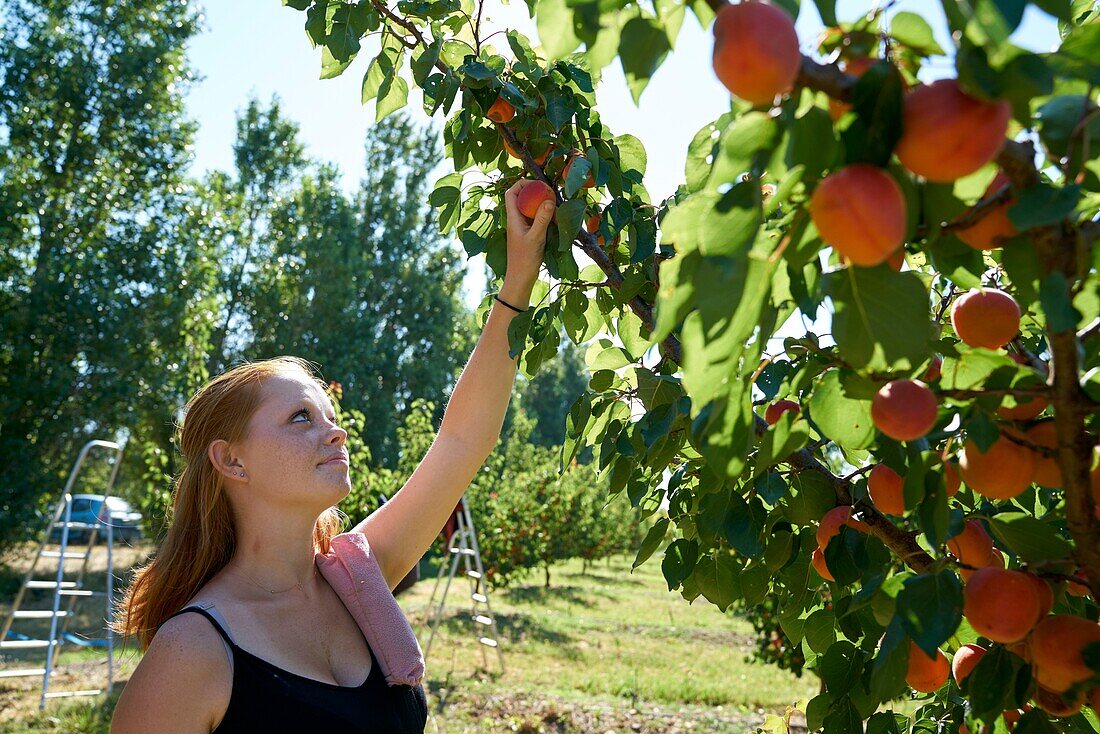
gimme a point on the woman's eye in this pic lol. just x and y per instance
(302, 412)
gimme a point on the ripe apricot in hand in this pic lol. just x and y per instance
(501, 111)
(756, 52)
(1057, 645)
(972, 546)
(776, 410)
(947, 134)
(855, 67)
(994, 227)
(1000, 604)
(904, 410)
(885, 487)
(1000, 473)
(860, 211)
(986, 318)
(965, 660)
(926, 674)
(531, 197)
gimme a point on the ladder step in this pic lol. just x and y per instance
(23, 673)
(473, 574)
(463, 551)
(81, 592)
(23, 644)
(68, 694)
(77, 525)
(67, 555)
(488, 642)
(45, 614)
(50, 584)
(483, 619)
(479, 597)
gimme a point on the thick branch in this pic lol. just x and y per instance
(1056, 247)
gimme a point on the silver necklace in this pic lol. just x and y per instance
(273, 591)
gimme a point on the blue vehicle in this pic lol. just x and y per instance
(89, 508)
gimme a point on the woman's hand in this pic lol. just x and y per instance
(526, 240)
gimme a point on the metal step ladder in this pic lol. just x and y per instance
(463, 546)
(60, 586)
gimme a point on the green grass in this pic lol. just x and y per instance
(601, 650)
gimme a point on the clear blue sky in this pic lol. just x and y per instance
(259, 47)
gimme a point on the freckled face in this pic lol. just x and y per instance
(290, 435)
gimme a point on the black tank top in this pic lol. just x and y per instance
(270, 699)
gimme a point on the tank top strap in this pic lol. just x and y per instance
(207, 610)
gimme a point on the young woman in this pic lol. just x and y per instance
(239, 630)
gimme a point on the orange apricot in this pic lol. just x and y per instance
(539, 159)
(756, 52)
(986, 318)
(996, 560)
(994, 227)
(1044, 593)
(1000, 473)
(778, 408)
(972, 546)
(1094, 699)
(501, 111)
(951, 479)
(817, 560)
(832, 521)
(926, 674)
(965, 660)
(934, 370)
(589, 182)
(531, 197)
(1059, 705)
(1000, 604)
(855, 67)
(1047, 471)
(947, 134)
(1056, 645)
(885, 487)
(904, 410)
(861, 212)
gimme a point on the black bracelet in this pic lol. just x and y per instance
(517, 310)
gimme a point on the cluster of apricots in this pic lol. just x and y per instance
(531, 197)
(860, 209)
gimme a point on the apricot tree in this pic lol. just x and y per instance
(939, 235)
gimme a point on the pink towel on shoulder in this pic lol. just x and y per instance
(352, 571)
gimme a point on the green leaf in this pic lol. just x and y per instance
(1057, 306)
(578, 175)
(632, 155)
(745, 147)
(970, 369)
(876, 100)
(840, 667)
(297, 4)
(1030, 538)
(811, 496)
(423, 63)
(812, 142)
(643, 45)
(881, 318)
(827, 10)
(392, 96)
(913, 31)
(1043, 204)
(843, 419)
(726, 514)
(930, 608)
(718, 580)
(679, 561)
(993, 683)
(555, 26)
(652, 541)
(781, 440)
(447, 196)
(731, 223)
(1077, 55)
(569, 217)
(332, 66)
